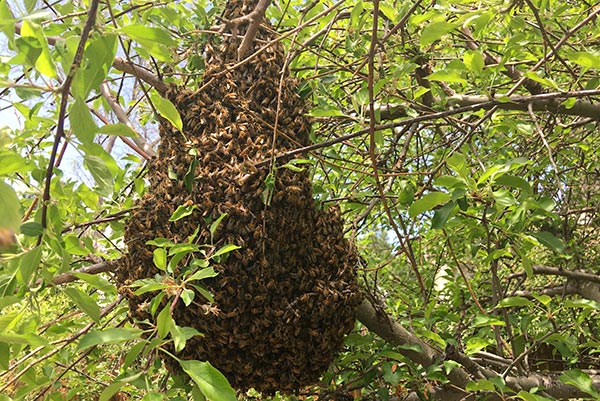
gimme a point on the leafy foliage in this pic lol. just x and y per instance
(459, 139)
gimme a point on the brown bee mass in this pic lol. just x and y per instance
(283, 301)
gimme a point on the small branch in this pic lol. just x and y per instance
(97, 268)
(62, 112)
(124, 119)
(141, 73)
(510, 71)
(125, 139)
(409, 121)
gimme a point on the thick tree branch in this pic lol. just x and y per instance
(545, 102)
(553, 271)
(255, 17)
(381, 324)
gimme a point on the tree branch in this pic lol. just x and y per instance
(255, 18)
(381, 324)
(124, 118)
(553, 271)
(62, 110)
(141, 73)
(535, 88)
(97, 268)
(545, 102)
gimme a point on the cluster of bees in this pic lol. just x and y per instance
(285, 299)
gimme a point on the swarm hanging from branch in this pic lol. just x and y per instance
(287, 297)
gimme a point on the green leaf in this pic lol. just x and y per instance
(190, 176)
(164, 322)
(543, 299)
(225, 249)
(480, 385)
(161, 242)
(441, 215)
(154, 40)
(486, 320)
(204, 292)
(582, 303)
(526, 263)
(504, 198)
(10, 217)
(111, 390)
(29, 339)
(31, 229)
(182, 211)
(211, 382)
(449, 182)
(167, 110)
(112, 335)
(96, 281)
(160, 258)
(84, 302)
(178, 337)
(450, 365)
(153, 396)
(514, 182)
(11, 163)
(584, 59)
(150, 286)
(428, 202)
(434, 31)
(4, 356)
(458, 163)
(326, 111)
(98, 58)
(101, 173)
(533, 75)
(202, 274)
(406, 192)
(117, 130)
(187, 296)
(215, 225)
(74, 245)
(514, 301)
(580, 380)
(132, 354)
(524, 395)
(43, 60)
(449, 76)
(473, 59)
(550, 241)
(29, 263)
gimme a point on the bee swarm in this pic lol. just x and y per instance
(283, 301)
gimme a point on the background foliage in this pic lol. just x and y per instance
(459, 138)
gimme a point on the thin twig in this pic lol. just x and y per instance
(60, 128)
